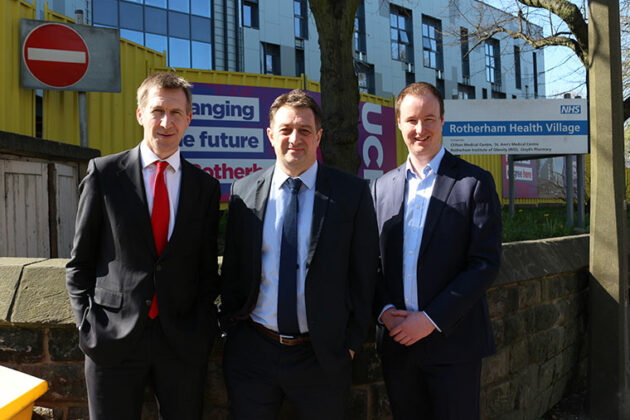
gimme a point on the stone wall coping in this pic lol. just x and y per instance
(534, 259)
(33, 290)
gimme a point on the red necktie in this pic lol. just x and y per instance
(159, 219)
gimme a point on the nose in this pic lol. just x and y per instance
(419, 128)
(293, 137)
(166, 120)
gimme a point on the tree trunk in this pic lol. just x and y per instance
(339, 86)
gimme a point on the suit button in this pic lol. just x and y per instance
(158, 267)
(148, 302)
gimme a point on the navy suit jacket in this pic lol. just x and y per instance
(458, 260)
(341, 265)
(115, 270)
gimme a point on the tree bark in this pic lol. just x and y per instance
(339, 86)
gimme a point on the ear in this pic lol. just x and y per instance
(442, 118)
(139, 116)
(319, 136)
(270, 135)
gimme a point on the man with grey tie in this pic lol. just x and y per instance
(298, 275)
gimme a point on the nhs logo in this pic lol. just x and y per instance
(570, 109)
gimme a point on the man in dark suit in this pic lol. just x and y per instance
(143, 276)
(298, 275)
(439, 220)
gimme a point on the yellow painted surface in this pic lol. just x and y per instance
(18, 392)
(17, 107)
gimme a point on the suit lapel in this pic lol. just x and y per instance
(187, 190)
(263, 186)
(130, 175)
(441, 190)
(320, 205)
(397, 186)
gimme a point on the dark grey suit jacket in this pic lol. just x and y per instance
(458, 260)
(115, 270)
(341, 267)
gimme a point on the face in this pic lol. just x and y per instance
(164, 119)
(295, 138)
(420, 123)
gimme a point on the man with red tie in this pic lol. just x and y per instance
(142, 277)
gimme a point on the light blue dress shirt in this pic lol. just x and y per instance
(418, 191)
(266, 310)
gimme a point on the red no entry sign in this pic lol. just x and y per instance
(56, 55)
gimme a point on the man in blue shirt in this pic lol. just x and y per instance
(439, 221)
(298, 275)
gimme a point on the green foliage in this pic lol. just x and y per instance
(536, 223)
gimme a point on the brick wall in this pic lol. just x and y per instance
(538, 309)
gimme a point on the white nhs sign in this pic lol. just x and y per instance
(570, 109)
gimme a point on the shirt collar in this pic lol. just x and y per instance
(433, 165)
(148, 158)
(308, 177)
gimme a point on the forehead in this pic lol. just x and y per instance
(157, 96)
(423, 104)
(293, 115)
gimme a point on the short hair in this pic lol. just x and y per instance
(420, 89)
(164, 80)
(297, 99)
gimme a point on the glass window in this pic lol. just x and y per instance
(155, 20)
(250, 13)
(135, 1)
(135, 36)
(179, 5)
(432, 43)
(359, 28)
(401, 34)
(178, 25)
(463, 35)
(200, 28)
(201, 55)
(178, 52)
(299, 62)
(271, 59)
(130, 16)
(200, 7)
(156, 42)
(299, 18)
(493, 63)
(105, 12)
(517, 66)
(157, 3)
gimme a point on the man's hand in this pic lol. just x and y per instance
(392, 318)
(414, 327)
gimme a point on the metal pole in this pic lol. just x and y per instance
(511, 183)
(568, 165)
(83, 118)
(581, 182)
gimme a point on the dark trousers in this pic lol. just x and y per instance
(429, 391)
(117, 391)
(260, 373)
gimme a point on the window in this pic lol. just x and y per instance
(271, 59)
(439, 84)
(130, 16)
(250, 13)
(105, 12)
(155, 20)
(135, 36)
(401, 34)
(517, 66)
(365, 75)
(299, 62)
(493, 61)
(484, 93)
(432, 43)
(201, 55)
(156, 42)
(359, 28)
(178, 52)
(535, 69)
(410, 77)
(200, 7)
(179, 25)
(179, 5)
(300, 15)
(463, 40)
(465, 91)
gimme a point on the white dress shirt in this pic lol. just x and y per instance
(172, 179)
(418, 191)
(266, 310)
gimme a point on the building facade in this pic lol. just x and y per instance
(395, 42)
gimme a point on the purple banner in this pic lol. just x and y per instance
(227, 136)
